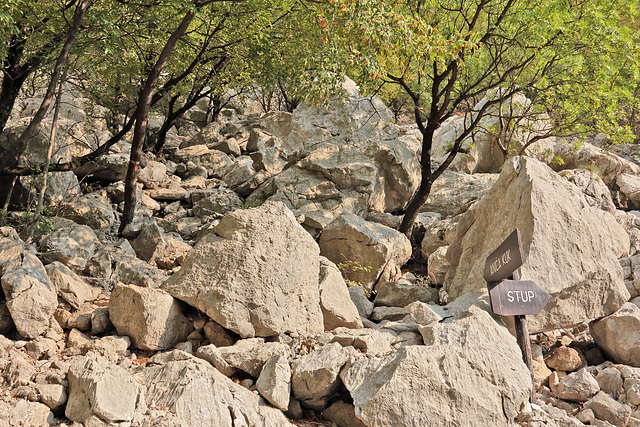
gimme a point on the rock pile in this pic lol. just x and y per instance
(261, 282)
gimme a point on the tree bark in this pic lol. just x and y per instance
(13, 154)
(141, 115)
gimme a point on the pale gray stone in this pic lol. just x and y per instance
(98, 387)
(401, 294)
(151, 317)
(608, 409)
(438, 234)
(315, 376)
(459, 378)
(553, 217)
(22, 412)
(453, 193)
(270, 289)
(609, 165)
(70, 287)
(388, 313)
(595, 190)
(374, 251)
(438, 265)
(370, 341)
(578, 386)
(251, 354)
(343, 415)
(31, 298)
(93, 210)
(337, 308)
(274, 383)
(201, 396)
(619, 335)
(71, 244)
(423, 314)
(221, 202)
(360, 300)
(610, 381)
(153, 175)
(211, 354)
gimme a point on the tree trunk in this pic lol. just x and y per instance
(13, 154)
(141, 115)
(45, 169)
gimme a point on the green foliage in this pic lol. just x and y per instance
(253, 204)
(349, 267)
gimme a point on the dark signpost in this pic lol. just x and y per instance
(514, 297)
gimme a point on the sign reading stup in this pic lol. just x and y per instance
(515, 297)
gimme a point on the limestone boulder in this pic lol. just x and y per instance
(359, 298)
(375, 252)
(619, 335)
(199, 395)
(70, 287)
(93, 210)
(606, 408)
(470, 372)
(22, 412)
(106, 168)
(99, 388)
(630, 187)
(251, 354)
(438, 234)
(153, 175)
(151, 317)
(131, 270)
(255, 274)
(570, 248)
(30, 296)
(454, 192)
(401, 294)
(595, 190)
(438, 265)
(578, 386)
(274, 383)
(315, 375)
(608, 165)
(337, 308)
(221, 202)
(70, 243)
(483, 153)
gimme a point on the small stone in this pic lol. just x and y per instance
(217, 335)
(274, 383)
(388, 313)
(586, 416)
(342, 414)
(610, 381)
(577, 386)
(564, 359)
(608, 409)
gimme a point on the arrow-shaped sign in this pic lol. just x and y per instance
(505, 260)
(516, 297)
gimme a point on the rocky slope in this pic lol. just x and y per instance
(234, 298)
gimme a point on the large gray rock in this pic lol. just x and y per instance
(251, 354)
(151, 317)
(578, 386)
(571, 249)
(99, 388)
(31, 297)
(469, 373)
(315, 376)
(629, 186)
(255, 274)
(199, 395)
(376, 250)
(337, 308)
(93, 210)
(20, 412)
(608, 165)
(454, 192)
(483, 153)
(70, 243)
(608, 409)
(619, 335)
(274, 383)
(595, 190)
(70, 287)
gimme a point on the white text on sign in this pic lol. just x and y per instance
(500, 262)
(520, 296)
